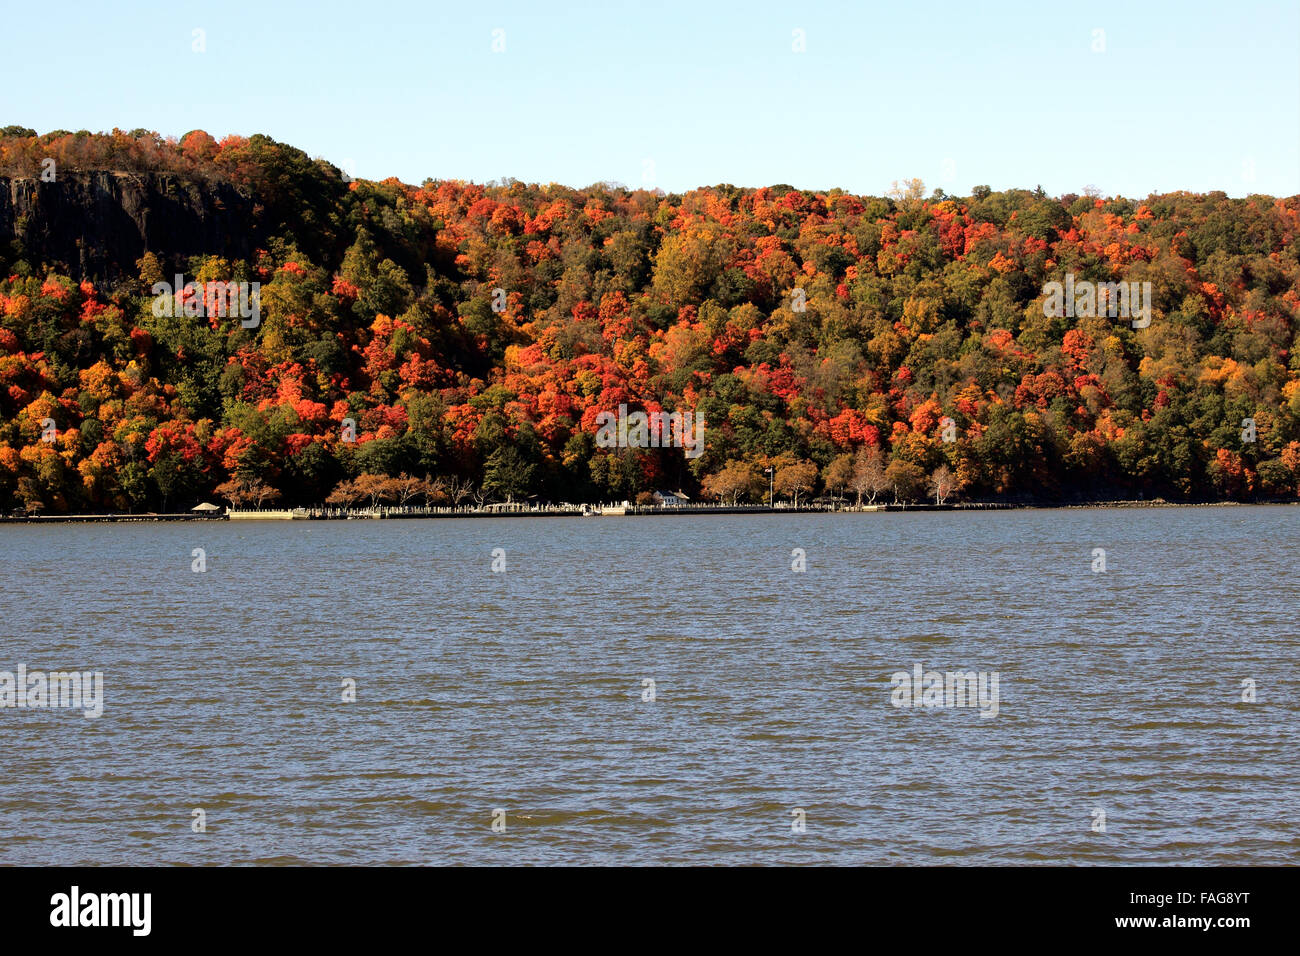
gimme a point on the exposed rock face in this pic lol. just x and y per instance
(97, 224)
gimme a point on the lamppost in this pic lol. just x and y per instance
(771, 485)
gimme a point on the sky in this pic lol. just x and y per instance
(1131, 98)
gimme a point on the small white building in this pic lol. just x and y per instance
(670, 499)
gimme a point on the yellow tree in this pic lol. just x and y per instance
(796, 479)
(735, 480)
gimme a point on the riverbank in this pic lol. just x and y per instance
(92, 518)
(606, 511)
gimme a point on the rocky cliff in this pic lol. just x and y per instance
(95, 225)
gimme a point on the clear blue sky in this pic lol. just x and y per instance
(1186, 95)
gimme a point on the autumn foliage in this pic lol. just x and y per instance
(471, 334)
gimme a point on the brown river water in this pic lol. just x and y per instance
(775, 733)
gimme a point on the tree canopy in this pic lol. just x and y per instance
(471, 335)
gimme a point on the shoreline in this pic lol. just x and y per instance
(630, 511)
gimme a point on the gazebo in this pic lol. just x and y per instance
(206, 508)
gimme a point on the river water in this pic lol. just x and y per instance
(773, 735)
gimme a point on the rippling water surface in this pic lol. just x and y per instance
(522, 691)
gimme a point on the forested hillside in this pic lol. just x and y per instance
(474, 333)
